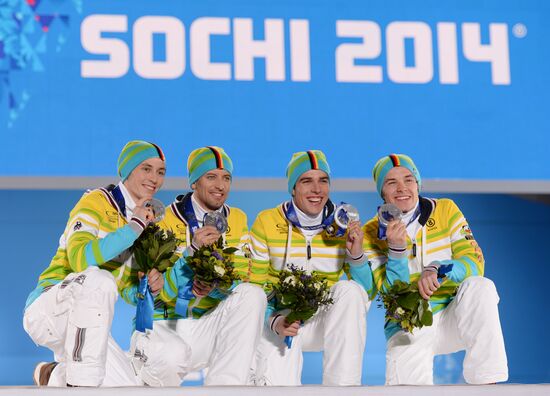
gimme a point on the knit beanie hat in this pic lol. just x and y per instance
(205, 159)
(134, 153)
(385, 164)
(303, 161)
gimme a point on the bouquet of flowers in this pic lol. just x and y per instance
(302, 293)
(213, 264)
(406, 307)
(155, 248)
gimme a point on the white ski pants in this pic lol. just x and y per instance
(339, 330)
(470, 322)
(73, 319)
(223, 340)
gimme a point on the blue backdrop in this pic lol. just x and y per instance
(356, 78)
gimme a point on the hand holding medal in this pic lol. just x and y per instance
(390, 226)
(344, 214)
(387, 213)
(157, 208)
(217, 220)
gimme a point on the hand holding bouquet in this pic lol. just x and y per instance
(153, 250)
(213, 265)
(302, 293)
(406, 307)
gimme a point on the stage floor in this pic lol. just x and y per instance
(306, 390)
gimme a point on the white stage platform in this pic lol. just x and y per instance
(439, 390)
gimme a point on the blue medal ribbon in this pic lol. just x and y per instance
(185, 294)
(145, 306)
(186, 210)
(381, 231)
(288, 341)
(189, 214)
(328, 218)
(119, 199)
(115, 197)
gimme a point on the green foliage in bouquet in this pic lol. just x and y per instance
(155, 248)
(213, 264)
(301, 292)
(406, 307)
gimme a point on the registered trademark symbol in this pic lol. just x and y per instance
(519, 30)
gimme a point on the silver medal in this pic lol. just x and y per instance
(217, 220)
(389, 212)
(344, 214)
(157, 207)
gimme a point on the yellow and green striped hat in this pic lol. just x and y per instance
(205, 159)
(385, 164)
(303, 161)
(134, 153)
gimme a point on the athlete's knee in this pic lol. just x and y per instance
(348, 291)
(96, 281)
(177, 355)
(253, 295)
(480, 288)
(165, 358)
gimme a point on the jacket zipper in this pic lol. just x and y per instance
(308, 253)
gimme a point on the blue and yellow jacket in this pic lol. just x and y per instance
(443, 235)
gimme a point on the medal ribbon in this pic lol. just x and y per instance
(288, 339)
(291, 215)
(189, 214)
(185, 295)
(145, 306)
(119, 199)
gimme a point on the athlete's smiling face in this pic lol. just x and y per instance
(146, 179)
(400, 188)
(212, 188)
(311, 192)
